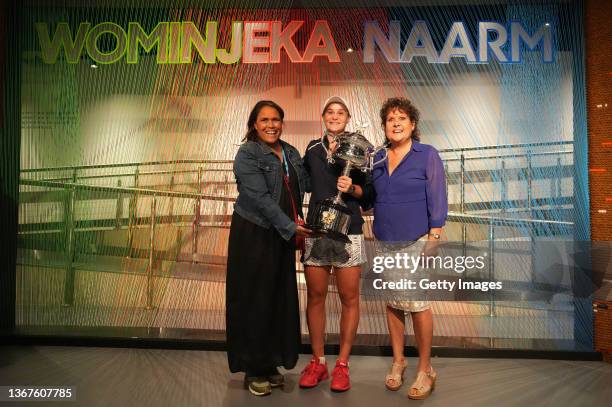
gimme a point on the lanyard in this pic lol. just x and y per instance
(285, 165)
(328, 153)
(286, 181)
(323, 145)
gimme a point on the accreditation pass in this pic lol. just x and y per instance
(37, 393)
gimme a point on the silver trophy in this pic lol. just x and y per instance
(332, 217)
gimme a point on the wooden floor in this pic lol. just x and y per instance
(156, 377)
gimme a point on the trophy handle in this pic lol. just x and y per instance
(371, 163)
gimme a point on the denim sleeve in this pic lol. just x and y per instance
(254, 190)
(435, 189)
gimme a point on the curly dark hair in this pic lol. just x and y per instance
(406, 106)
(251, 134)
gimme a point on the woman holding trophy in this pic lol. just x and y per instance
(322, 255)
(408, 192)
(262, 312)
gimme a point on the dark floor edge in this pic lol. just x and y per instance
(361, 350)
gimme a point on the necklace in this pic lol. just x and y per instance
(328, 152)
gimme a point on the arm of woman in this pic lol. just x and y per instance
(368, 193)
(306, 161)
(435, 189)
(345, 184)
(254, 189)
(354, 186)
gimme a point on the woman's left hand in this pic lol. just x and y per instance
(344, 184)
(431, 246)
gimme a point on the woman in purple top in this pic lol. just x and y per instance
(410, 203)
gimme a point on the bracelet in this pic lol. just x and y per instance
(435, 235)
(351, 189)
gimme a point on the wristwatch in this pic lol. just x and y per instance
(435, 235)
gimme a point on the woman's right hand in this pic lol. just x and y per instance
(303, 231)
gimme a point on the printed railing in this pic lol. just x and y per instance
(461, 176)
(71, 189)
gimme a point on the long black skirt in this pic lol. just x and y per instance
(262, 311)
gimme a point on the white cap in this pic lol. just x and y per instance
(335, 99)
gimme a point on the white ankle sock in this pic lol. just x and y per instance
(321, 360)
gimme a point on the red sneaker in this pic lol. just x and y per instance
(313, 373)
(340, 377)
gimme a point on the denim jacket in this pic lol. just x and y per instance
(259, 177)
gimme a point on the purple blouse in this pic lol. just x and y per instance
(413, 199)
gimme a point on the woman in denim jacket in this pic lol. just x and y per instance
(262, 311)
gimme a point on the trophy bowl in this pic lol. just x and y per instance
(353, 148)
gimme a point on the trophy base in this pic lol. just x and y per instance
(332, 234)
